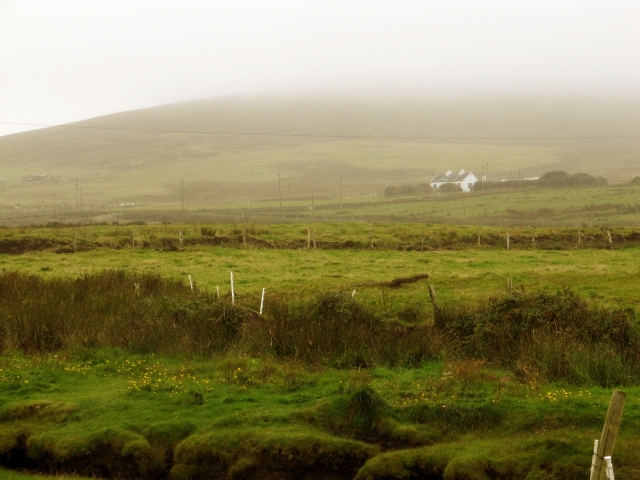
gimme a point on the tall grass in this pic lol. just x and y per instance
(148, 313)
(556, 336)
(333, 328)
(142, 313)
(559, 335)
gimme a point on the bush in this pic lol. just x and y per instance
(560, 335)
(139, 313)
(450, 188)
(335, 329)
(556, 179)
(555, 335)
(421, 189)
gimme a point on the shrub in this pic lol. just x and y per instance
(449, 188)
(560, 335)
(421, 189)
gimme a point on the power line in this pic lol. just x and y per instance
(312, 135)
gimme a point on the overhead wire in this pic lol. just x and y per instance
(313, 135)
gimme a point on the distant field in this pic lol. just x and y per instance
(466, 272)
(368, 167)
(589, 207)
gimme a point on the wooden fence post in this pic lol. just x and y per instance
(508, 242)
(434, 300)
(478, 238)
(609, 434)
(610, 239)
(509, 285)
(308, 238)
(180, 237)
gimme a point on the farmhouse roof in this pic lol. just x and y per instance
(450, 177)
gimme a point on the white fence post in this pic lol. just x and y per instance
(233, 294)
(609, 470)
(262, 302)
(594, 456)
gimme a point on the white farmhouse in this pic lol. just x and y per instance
(464, 180)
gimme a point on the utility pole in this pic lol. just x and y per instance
(279, 190)
(182, 194)
(341, 175)
(519, 178)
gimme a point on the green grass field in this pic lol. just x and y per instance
(460, 274)
(253, 414)
(125, 414)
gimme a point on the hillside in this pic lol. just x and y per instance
(142, 155)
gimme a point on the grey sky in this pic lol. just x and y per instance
(62, 61)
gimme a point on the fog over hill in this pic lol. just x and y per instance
(230, 148)
(128, 141)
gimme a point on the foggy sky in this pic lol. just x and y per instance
(64, 60)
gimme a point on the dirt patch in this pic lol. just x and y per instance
(397, 282)
(43, 409)
(17, 246)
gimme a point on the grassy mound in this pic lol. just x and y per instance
(292, 453)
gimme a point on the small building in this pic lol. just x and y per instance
(464, 180)
(528, 179)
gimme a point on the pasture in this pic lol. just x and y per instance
(113, 366)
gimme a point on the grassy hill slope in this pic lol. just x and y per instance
(142, 155)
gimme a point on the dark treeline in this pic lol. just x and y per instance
(420, 189)
(557, 179)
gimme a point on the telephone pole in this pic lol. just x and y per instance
(341, 175)
(279, 189)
